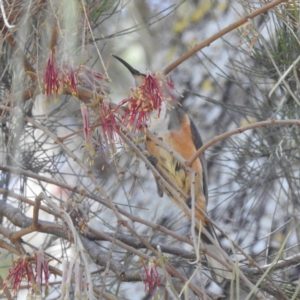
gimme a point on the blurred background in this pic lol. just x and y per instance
(253, 176)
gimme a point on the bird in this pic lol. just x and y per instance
(175, 128)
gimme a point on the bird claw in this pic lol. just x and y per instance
(152, 159)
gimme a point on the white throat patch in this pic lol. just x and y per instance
(159, 126)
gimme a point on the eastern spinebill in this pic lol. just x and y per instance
(178, 130)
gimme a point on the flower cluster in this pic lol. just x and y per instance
(69, 76)
(22, 269)
(56, 78)
(51, 77)
(109, 121)
(143, 102)
(151, 281)
(146, 98)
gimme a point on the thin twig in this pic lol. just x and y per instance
(239, 130)
(77, 241)
(5, 291)
(36, 209)
(130, 249)
(221, 33)
(76, 190)
(4, 16)
(9, 248)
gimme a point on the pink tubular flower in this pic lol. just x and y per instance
(21, 269)
(51, 78)
(146, 98)
(57, 77)
(86, 130)
(69, 77)
(151, 280)
(41, 267)
(108, 119)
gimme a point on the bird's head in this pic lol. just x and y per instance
(138, 76)
(154, 122)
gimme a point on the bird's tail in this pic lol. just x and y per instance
(219, 272)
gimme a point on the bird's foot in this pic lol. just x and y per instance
(152, 159)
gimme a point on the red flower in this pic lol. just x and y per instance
(20, 270)
(55, 78)
(146, 98)
(151, 280)
(109, 119)
(51, 78)
(69, 77)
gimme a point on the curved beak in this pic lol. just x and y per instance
(133, 71)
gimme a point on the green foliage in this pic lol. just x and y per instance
(282, 47)
(104, 6)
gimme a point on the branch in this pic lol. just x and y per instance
(134, 148)
(136, 243)
(19, 219)
(248, 257)
(216, 36)
(89, 174)
(16, 217)
(281, 264)
(237, 131)
(9, 248)
(113, 207)
(106, 295)
(5, 291)
(34, 226)
(25, 200)
(87, 171)
(76, 190)
(107, 237)
(27, 66)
